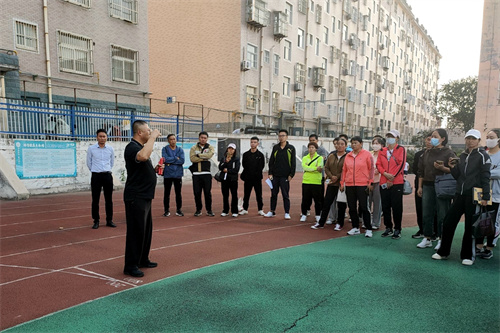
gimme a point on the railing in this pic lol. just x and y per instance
(35, 120)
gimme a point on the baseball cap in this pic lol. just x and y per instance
(231, 145)
(473, 132)
(394, 133)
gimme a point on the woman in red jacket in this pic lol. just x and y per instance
(356, 180)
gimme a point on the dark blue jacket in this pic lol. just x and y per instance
(174, 159)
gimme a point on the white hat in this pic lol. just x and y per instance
(394, 133)
(231, 145)
(473, 132)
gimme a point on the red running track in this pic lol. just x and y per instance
(44, 268)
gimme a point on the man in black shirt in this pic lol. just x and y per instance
(281, 171)
(138, 194)
(253, 164)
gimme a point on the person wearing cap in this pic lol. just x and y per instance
(472, 170)
(229, 166)
(390, 165)
(433, 162)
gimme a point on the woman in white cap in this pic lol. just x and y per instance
(230, 166)
(472, 170)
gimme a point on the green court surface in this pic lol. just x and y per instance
(349, 284)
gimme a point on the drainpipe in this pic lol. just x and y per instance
(271, 68)
(258, 109)
(47, 50)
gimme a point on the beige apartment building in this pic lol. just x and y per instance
(310, 66)
(488, 89)
(90, 53)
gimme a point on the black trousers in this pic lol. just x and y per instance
(392, 202)
(357, 194)
(247, 188)
(310, 192)
(167, 184)
(418, 209)
(202, 183)
(330, 196)
(283, 184)
(105, 181)
(226, 187)
(139, 232)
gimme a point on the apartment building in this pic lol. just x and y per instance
(488, 86)
(90, 53)
(311, 66)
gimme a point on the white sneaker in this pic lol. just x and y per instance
(244, 212)
(269, 214)
(368, 233)
(308, 212)
(234, 215)
(317, 218)
(438, 257)
(467, 262)
(261, 213)
(287, 216)
(303, 218)
(224, 214)
(438, 246)
(353, 231)
(329, 222)
(424, 243)
(317, 226)
(337, 227)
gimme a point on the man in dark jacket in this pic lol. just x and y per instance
(281, 171)
(200, 155)
(172, 174)
(253, 164)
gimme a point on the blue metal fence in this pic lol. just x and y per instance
(35, 120)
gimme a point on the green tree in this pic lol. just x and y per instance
(456, 101)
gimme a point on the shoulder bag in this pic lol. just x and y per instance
(445, 186)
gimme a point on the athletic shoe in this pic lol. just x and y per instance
(197, 213)
(374, 227)
(397, 234)
(387, 232)
(354, 231)
(329, 222)
(234, 215)
(261, 213)
(363, 227)
(317, 226)
(486, 254)
(438, 246)
(287, 216)
(368, 233)
(210, 213)
(244, 212)
(166, 214)
(337, 227)
(438, 257)
(224, 214)
(179, 213)
(303, 218)
(424, 243)
(317, 218)
(467, 262)
(418, 234)
(308, 212)
(270, 214)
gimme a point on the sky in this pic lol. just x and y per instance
(455, 26)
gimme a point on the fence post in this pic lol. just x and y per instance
(72, 123)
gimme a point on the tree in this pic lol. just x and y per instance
(456, 101)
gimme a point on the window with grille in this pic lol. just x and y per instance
(124, 9)
(125, 64)
(251, 97)
(83, 3)
(276, 101)
(26, 36)
(75, 53)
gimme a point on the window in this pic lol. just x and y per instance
(289, 12)
(333, 24)
(83, 3)
(301, 37)
(75, 53)
(265, 96)
(251, 97)
(123, 9)
(276, 101)
(124, 64)
(299, 105)
(26, 36)
(322, 97)
(286, 86)
(287, 50)
(324, 64)
(345, 33)
(317, 46)
(300, 72)
(267, 56)
(252, 55)
(276, 64)
(328, 6)
(325, 35)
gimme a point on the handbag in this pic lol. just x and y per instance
(341, 196)
(218, 176)
(484, 224)
(445, 186)
(407, 189)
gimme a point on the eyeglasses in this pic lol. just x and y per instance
(282, 135)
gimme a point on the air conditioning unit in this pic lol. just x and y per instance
(298, 86)
(377, 113)
(246, 65)
(345, 71)
(382, 46)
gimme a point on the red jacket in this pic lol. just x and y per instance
(358, 170)
(393, 163)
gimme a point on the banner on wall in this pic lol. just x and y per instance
(45, 159)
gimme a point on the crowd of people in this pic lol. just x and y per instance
(370, 184)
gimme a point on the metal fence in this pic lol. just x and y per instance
(21, 119)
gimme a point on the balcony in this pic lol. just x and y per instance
(280, 25)
(257, 14)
